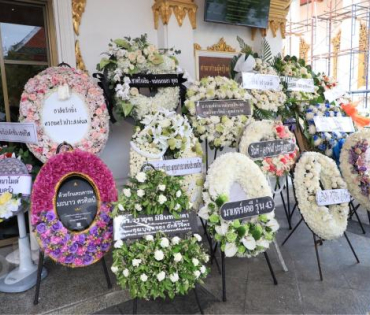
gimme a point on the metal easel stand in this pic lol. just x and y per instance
(135, 302)
(280, 189)
(353, 211)
(40, 267)
(319, 242)
(224, 273)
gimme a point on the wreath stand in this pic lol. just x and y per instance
(318, 241)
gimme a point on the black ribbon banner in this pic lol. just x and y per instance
(271, 148)
(155, 80)
(128, 227)
(223, 108)
(247, 208)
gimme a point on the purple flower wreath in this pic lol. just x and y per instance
(73, 249)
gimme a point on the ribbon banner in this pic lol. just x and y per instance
(156, 80)
(332, 197)
(270, 148)
(255, 81)
(223, 108)
(18, 132)
(299, 85)
(16, 184)
(334, 124)
(179, 167)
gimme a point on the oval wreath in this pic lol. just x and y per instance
(167, 134)
(267, 130)
(328, 222)
(243, 238)
(73, 248)
(136, 56)
(219, 131)
(45, 94)
(354, 164)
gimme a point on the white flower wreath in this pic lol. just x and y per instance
(242, 238)
(354, 164)
(266, 130)
(327, 222)
(167, 133)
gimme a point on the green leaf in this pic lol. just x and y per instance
(122, 43)
(266, 54)
(104, 62)
(126, 108)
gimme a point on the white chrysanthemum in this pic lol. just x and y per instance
(158, 255)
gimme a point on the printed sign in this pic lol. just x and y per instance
(334, 93)
(300, 85)
(209, 66)
(154, 80)
(271, 148)
(18, 132)
(128, 227)
(255, 81)
(76, 203)
(247, 208)
(179, 167)
(16, 184)
(223, 108)
(332, 197)
(65, 120)
(334, 124)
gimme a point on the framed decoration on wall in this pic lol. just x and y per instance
(213, 61)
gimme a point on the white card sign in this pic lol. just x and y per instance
(334, 93)
(179, 167)
(332, 197)
(16, 184)
(334, 124)
(65, 120)
(255, 81)
(300, 85)
(18, 132)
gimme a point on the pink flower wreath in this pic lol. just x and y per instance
(73, 249)
(32, 100)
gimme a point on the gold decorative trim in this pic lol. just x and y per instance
(78, 8)
(303, 49)
(80, 64)
(164, 8)
(221, 46)
(362, 60)
(336, 47)
(197, 47)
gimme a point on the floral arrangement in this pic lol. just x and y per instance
(9, 205)
(73, 249)
(354, 164)
(219, 131)
(267, 130)
(323, 142)
(167, 134)
(152, 192)
(48, 81)
(156, 266)
(133, 56)
(313, 168)
(242, 238)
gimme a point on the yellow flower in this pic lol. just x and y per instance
(5, 197)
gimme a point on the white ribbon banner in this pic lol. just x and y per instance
(255, 81)
(16, 184)
(300, 85)
(18, 132)
(333, 124)
(334, 93)
(180, 167)
(332, 197)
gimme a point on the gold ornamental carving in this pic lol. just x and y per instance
(221, 46)
(362, 60)
(80, 64)
(303, 49)
(336, 47)
(78, 8)
(163, 9)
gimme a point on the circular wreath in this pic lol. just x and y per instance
(354, 164)
(66, 82)
(219, 131)
(167, 134)
(73, 249)
(243, 238)
(133, 56)
(267, 130)
(324, 142)
(328, 222)
(156, 266)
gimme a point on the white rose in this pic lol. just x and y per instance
(114, 269)
(141, 59)
(203, 269)
(134, 91)
(174, 277)
(141, 193)
(177, 257)
(162, 187)
(162, 199)
(198, 237)
(141, 177)
(118, 244)
(161, 276)
(121, 207)
(136, 262)
(149, 238)
(195, 262)
(138, 207)
(158, 255)
(127, 192)
(131, 56)
(197, 273)
(165, 242)
(178, 193)
(126, 272)
(175, 240)
(143, 277)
